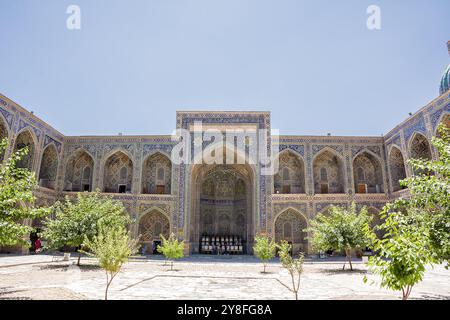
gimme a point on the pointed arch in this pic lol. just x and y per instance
(419, 147)
(49, 167)
(289, 225)
(26, 138)
(367, 173)
(290, 177)
(152, 225)
(397, 167)
(157, 174)
(79, 171)
(118, 173)
(333, 163)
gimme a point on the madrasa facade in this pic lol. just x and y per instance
(208, 202)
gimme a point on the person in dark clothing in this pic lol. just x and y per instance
(33, 238)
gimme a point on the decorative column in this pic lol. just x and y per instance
(349, 170)
(309, 181)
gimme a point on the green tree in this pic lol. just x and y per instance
(16, 198)
(171, 248)
(264, 249)
(77, 220)
(293, 265)
(429, 197)
(417, 227)
(112, 246)
(341, 230)
(402, 254)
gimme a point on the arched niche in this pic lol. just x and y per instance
(49, 167)
(397, 169)
(328, 173)
(290, 177)
(420, 148)
(367, 173)
(79, 172)
(152, 225)
(118, 173)
(222, 198)
(289, 226)
(26, 139)
(157, 174)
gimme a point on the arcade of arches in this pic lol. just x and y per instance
(231, 201)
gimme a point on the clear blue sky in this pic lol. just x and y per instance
(313, 64)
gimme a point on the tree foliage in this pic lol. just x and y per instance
(401, 254)
(264, 248)
(429, 195)
(171, 248)
(417, 227)
(112, 246)
(293, 265)
(16, 198)
(76, 221)
(341, 230)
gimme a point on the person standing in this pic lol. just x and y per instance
(37, 245)
(33, 238)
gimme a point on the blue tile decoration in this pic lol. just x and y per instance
(49, 140)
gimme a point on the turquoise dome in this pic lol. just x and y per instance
(445, 82)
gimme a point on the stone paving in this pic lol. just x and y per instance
(198, 277)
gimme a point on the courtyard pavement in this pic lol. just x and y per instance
(199, 277)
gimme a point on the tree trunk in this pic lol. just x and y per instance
(264, 268)
(171, 265)
(79, 257)
(348, 253)
(406, 292)
(107, 286)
